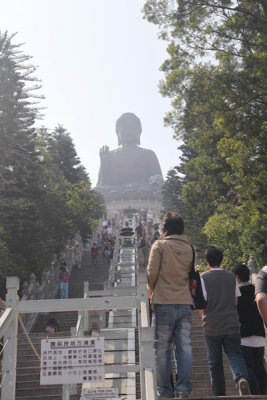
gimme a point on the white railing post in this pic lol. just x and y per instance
(147, 364)
(85, 313)
(143, 299)
(146, 343)
(10, 342)
(65, 392)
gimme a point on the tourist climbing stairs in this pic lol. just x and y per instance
(28, 365)
(121, 337)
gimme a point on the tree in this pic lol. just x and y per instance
(172, 192)
(65, 156)
(216, 75)
(65, 208)
(45, 193)
(172, 200)
(19, 162)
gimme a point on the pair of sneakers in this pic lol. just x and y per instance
(243, 387)
(182, 395)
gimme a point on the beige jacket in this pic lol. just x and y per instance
(169, 262)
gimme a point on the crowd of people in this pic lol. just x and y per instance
(233, 319)
(147, 231)
(106, 240)
(230, 321)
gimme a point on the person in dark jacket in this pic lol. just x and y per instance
(252, 331)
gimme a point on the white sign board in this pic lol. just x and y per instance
(72, 360)
(99, 393)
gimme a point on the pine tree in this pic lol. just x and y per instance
(18, 156)
(172, 192)
(65, 156)
(45, 192)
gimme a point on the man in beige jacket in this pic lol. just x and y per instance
(168, 267)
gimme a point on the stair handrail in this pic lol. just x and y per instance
(49, 281)
(146, 342)
(122, 298)
(5, 320)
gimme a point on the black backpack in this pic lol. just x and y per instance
(195, 286)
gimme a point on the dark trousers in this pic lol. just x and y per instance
(231, 345)
(254, 357)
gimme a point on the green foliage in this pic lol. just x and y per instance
(45, 192)
(216, 75)
(19, 164)
(64, 155)
(201, 267)
(172, 192)
(172, 200)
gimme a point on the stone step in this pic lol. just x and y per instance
(203, 382)
(28, 366)
(34, 373)
(204, 369)
(37, 335)
(31, 384)
(197, 340)
(44, 390)
(27, 376)
(28, 363)
(199, 397)
(42, 397)
(228, 397)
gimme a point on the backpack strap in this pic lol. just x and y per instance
(194, 256)
(161, 252)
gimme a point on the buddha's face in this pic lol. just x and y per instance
(129, 136)
(128, 131)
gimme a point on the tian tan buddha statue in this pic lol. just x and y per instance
(129, 171)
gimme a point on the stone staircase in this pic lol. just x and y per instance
(200, 377)
(200, 370)
(28, 366)
(28, 371)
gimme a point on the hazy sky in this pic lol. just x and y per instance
(96, 59)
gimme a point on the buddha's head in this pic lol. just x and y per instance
(128, 129)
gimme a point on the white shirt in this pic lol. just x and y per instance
(109, 230)
(253, 341)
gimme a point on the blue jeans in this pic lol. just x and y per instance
(64, 290)
(231, 345)
(173, 327)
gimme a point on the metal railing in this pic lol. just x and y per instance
(94, 303)
(119, 298)
(49, 284)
